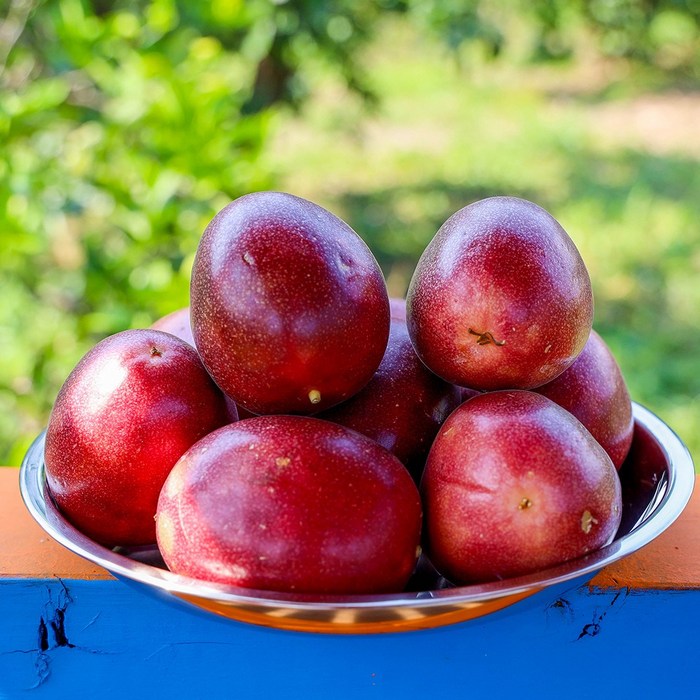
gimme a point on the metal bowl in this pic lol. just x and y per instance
(657, 481)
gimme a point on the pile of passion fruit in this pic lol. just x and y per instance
(295, 429)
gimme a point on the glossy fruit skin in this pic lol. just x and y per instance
(500, 297)
(465, 393)
(515, 484)
(290, 312)
(403, 406)
(594, 390)
(291, 503)
(397, 309)
(125, 414)
(177, 323)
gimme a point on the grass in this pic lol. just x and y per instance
(444, 135)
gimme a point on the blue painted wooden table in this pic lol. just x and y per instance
(69, 630)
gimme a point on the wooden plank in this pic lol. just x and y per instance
(671, 561)
(68, 629)
(103, 639)
(26, 551)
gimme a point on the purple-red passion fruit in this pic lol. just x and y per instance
(500, 298)
(124, 416)
(404, 404)
(594, 390)
(515, 484)
(290, 311)
(291, 503)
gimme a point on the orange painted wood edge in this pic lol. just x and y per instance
(26, 551)
(671, 561)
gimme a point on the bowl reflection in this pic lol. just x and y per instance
(657, 481)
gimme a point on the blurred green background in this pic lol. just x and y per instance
(125, 126)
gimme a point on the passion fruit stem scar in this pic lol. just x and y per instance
(587, 521)
(486, 338)
(315, 396)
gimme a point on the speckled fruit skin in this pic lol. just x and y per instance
(594, 390)
(177, 323)
(404, 404)
(500, 298)
(290, 312)
(514, 484)
(125, 414)
(294, 504)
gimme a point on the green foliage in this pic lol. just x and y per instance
(123, 133)
(629, 201)
(661, 33)
(125, 125)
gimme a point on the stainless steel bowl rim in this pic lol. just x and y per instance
(665, 511)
